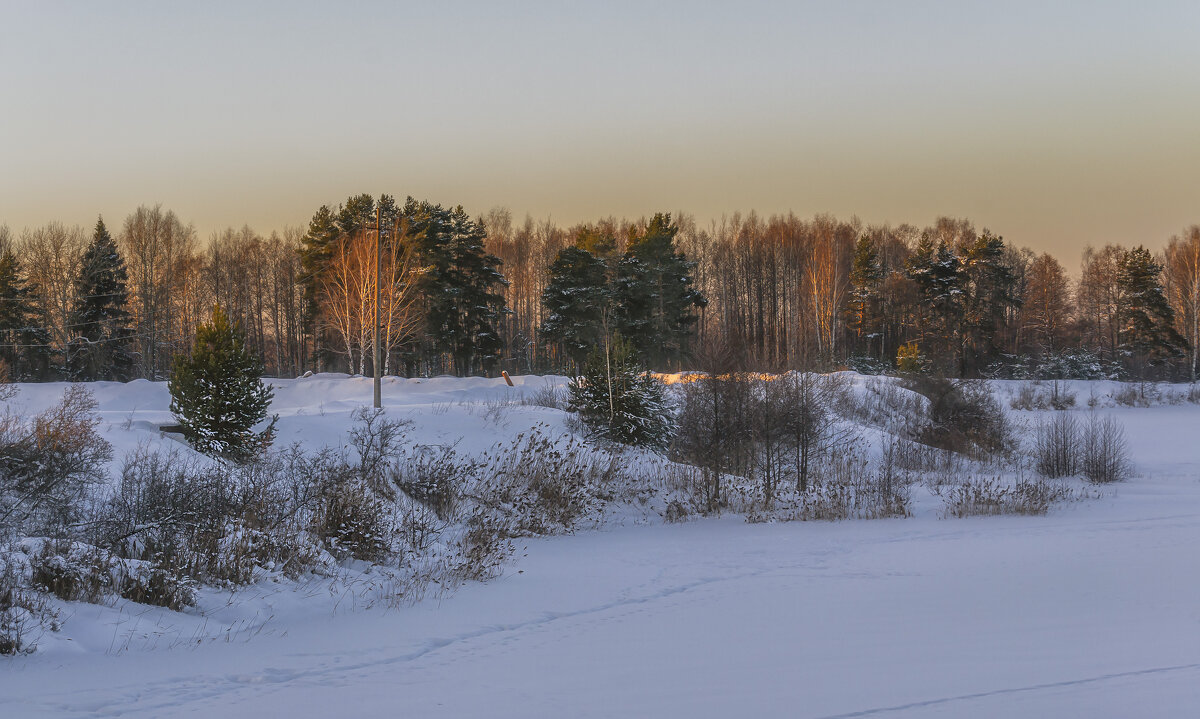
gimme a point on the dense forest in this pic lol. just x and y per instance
(474, 295)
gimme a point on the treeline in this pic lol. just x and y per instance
(473, 295)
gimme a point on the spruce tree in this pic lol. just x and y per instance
(460, 287)
(1146, 320)
(217, 393)
(13, 313)
(655, 294)
(618, 401)
(478, 296)
(24, 346)
(578, 302)
(100, 346)
(864, 309)
(937, 272)
(990, 292)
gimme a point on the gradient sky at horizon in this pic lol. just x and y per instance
(1056, 125)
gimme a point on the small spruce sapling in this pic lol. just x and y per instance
(217, 393)
(618, 401)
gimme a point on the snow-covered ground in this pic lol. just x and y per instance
(1093, 610)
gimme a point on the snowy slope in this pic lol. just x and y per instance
(1091, 611)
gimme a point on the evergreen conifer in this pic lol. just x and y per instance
(1147, 322)
(655, 294)
(24, 347)
(100, 344)
(218, 395)
(618, 401)
(864, 310)
(578, 300)
(459, 286)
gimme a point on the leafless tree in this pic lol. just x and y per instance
(160, 252)
(50, 256)
(1182, 270)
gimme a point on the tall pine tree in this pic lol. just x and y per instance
(1146, 320)
(990, 292)
(656, 294)
(24, 346)
(578, 300)
(460, 286)
(100, 347)
(864, 308)
(936, 271)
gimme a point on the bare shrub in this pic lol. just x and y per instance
(1193, 393)
(432, 475)
(1105, 456)
(483, 548)
(214, 523)
(688, 489)
(1061, 397)
(377, 440)
(714, 431)
(24, 614)
(552, 396)
(418, 526)
(962, 416)
(1028, 397)
(73, 572)
(541, 485)
(161, 495)
(675, 511)
(1056, 446)
(886, 404)
(353, 521)
(158, 585)
(987, 497)
(49, 464)
(537, 485)
(1137, 394)
(771, 430)
(1038, 395)
(809, 419)
(846, 487)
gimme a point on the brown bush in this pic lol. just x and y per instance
(988, 497)
(49, 464)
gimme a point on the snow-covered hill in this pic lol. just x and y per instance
(1091, 610)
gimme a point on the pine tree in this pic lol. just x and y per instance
(13, 313)
(101, 340)
(1146, 320)
(578, 300)
(24, 347)
(217, 393)
(459, 286)
(936, 270)
(618, 400)
(655, 294)
(479, 302)
(864, 311)
(990, 291)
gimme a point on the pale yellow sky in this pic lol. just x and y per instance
(1054, 124)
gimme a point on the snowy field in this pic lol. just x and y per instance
(1090, 611)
